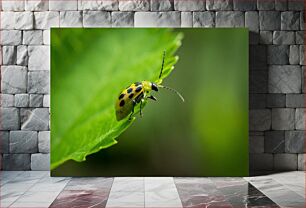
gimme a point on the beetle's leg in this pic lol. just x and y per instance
(152, 97)
(141, 101)
(134, 103)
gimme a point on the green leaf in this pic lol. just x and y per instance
(89, 68)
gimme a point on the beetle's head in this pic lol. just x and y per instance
(154, 86)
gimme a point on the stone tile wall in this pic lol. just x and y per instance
(277, 126)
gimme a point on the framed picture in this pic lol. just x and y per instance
(149, 102)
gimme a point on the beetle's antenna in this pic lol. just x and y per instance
(173, 90)
(162, 67)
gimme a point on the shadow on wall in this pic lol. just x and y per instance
(258, 87)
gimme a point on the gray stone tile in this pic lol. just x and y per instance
(13, 6)
(63, 5)
(4, 141)
(7, 176)
(11, 37)
(283, 118)
(21, 100)
(246, 5)
(129, 185)
(285, 79)
(157, 19)
(46, 20)
(300, 119)
(299, 37)
(281, 5)
(258, 81)
(97, 19)
(266, 37)
(222, 5)
(7, 22)
(186, 19)
(13, 79)
(260, 120)
(269, 20)
(35, 199)
(98, 5)
(203, 19)
(301, 164)
(256, 133)
(285, 162)
(295, 100)
(16, 162)
(274, 142)
(278, 54)
(276, 100)
(261, 162)
(36, 119)
(294, 54)
(162, 5)
(294, 141)
(39, 58)
(71, 19)
(6, 100)
(229, 19)
(126, 199)
(24, 20)
(265, 5)
(38, 5)
(258, 57)
(196, 5)
(134, 5)
(293, 180)
(123, 19)
(290, 20)
(48, 184)
(9, 55)
(277, 192)
(257, 101)
(32, 37)
(22, 55)
(44, 141)
(39, 82)
(36, 100)
(302, 20)
(297, 5)
(256, 144)
(283, 37)
(302, 56)
(23, 142)
(10, 119)
(40, 161)
(46, 101)
(252, 21)
(161, 192)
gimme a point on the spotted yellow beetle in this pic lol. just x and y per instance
(138, 92)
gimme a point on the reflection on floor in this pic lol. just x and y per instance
(38, 189)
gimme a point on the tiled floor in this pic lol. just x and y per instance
(38, 189)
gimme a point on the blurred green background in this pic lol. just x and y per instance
(207, 135)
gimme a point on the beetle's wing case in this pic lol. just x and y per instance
(124, 111)
(124, 103)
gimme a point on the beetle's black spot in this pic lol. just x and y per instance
(129, 90)
(121, 103)
(138, 89)
(131, 95)
(121, 96)
(137, 83)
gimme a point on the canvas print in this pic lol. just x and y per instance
(149, 102)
